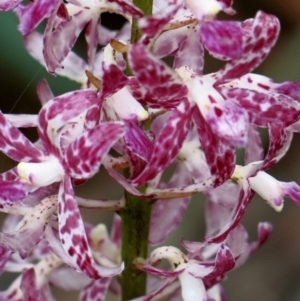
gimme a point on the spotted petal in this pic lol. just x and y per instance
(73, 236)
(222, 160)
(155, 75)
(15, 145)
(168, 143)
(222, 38)
(85, 154)
(256, 46)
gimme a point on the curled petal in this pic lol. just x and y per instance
(73, 236)
(256, 46)
(59, 42)
(274, 191)
(245, 197)
(224, 263)
(74, 66)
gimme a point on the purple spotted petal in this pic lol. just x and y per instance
(29, 285)
(73, 237)
(224, 263)
(290, 89)
(138, 142)
(230, 122)
(92, 117)
(167, 214)
(151, 72)
(139, 148)
(55, 245)
(146, 98)
(57, 112)
(6, 5)
(85, 154)
(33, 14)
(223, 38)
(15, 145)
(14, 191)
(222, 160)
(58, 43)
(264, 108)
(31, 229)
(113, 80)
(168, 143)
(190, 52)
(256, 46)
(280, 141)
(96, 291)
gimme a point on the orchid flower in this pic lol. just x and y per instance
(191, 273)
(62, 163)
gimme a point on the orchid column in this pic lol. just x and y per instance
(136, 214)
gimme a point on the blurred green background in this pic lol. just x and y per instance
(272, 274)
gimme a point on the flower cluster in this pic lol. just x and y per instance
(138, 115)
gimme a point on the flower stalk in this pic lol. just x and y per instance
(136, 215)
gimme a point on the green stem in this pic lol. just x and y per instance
(135, 231)
(146, 7)
(136, 214)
